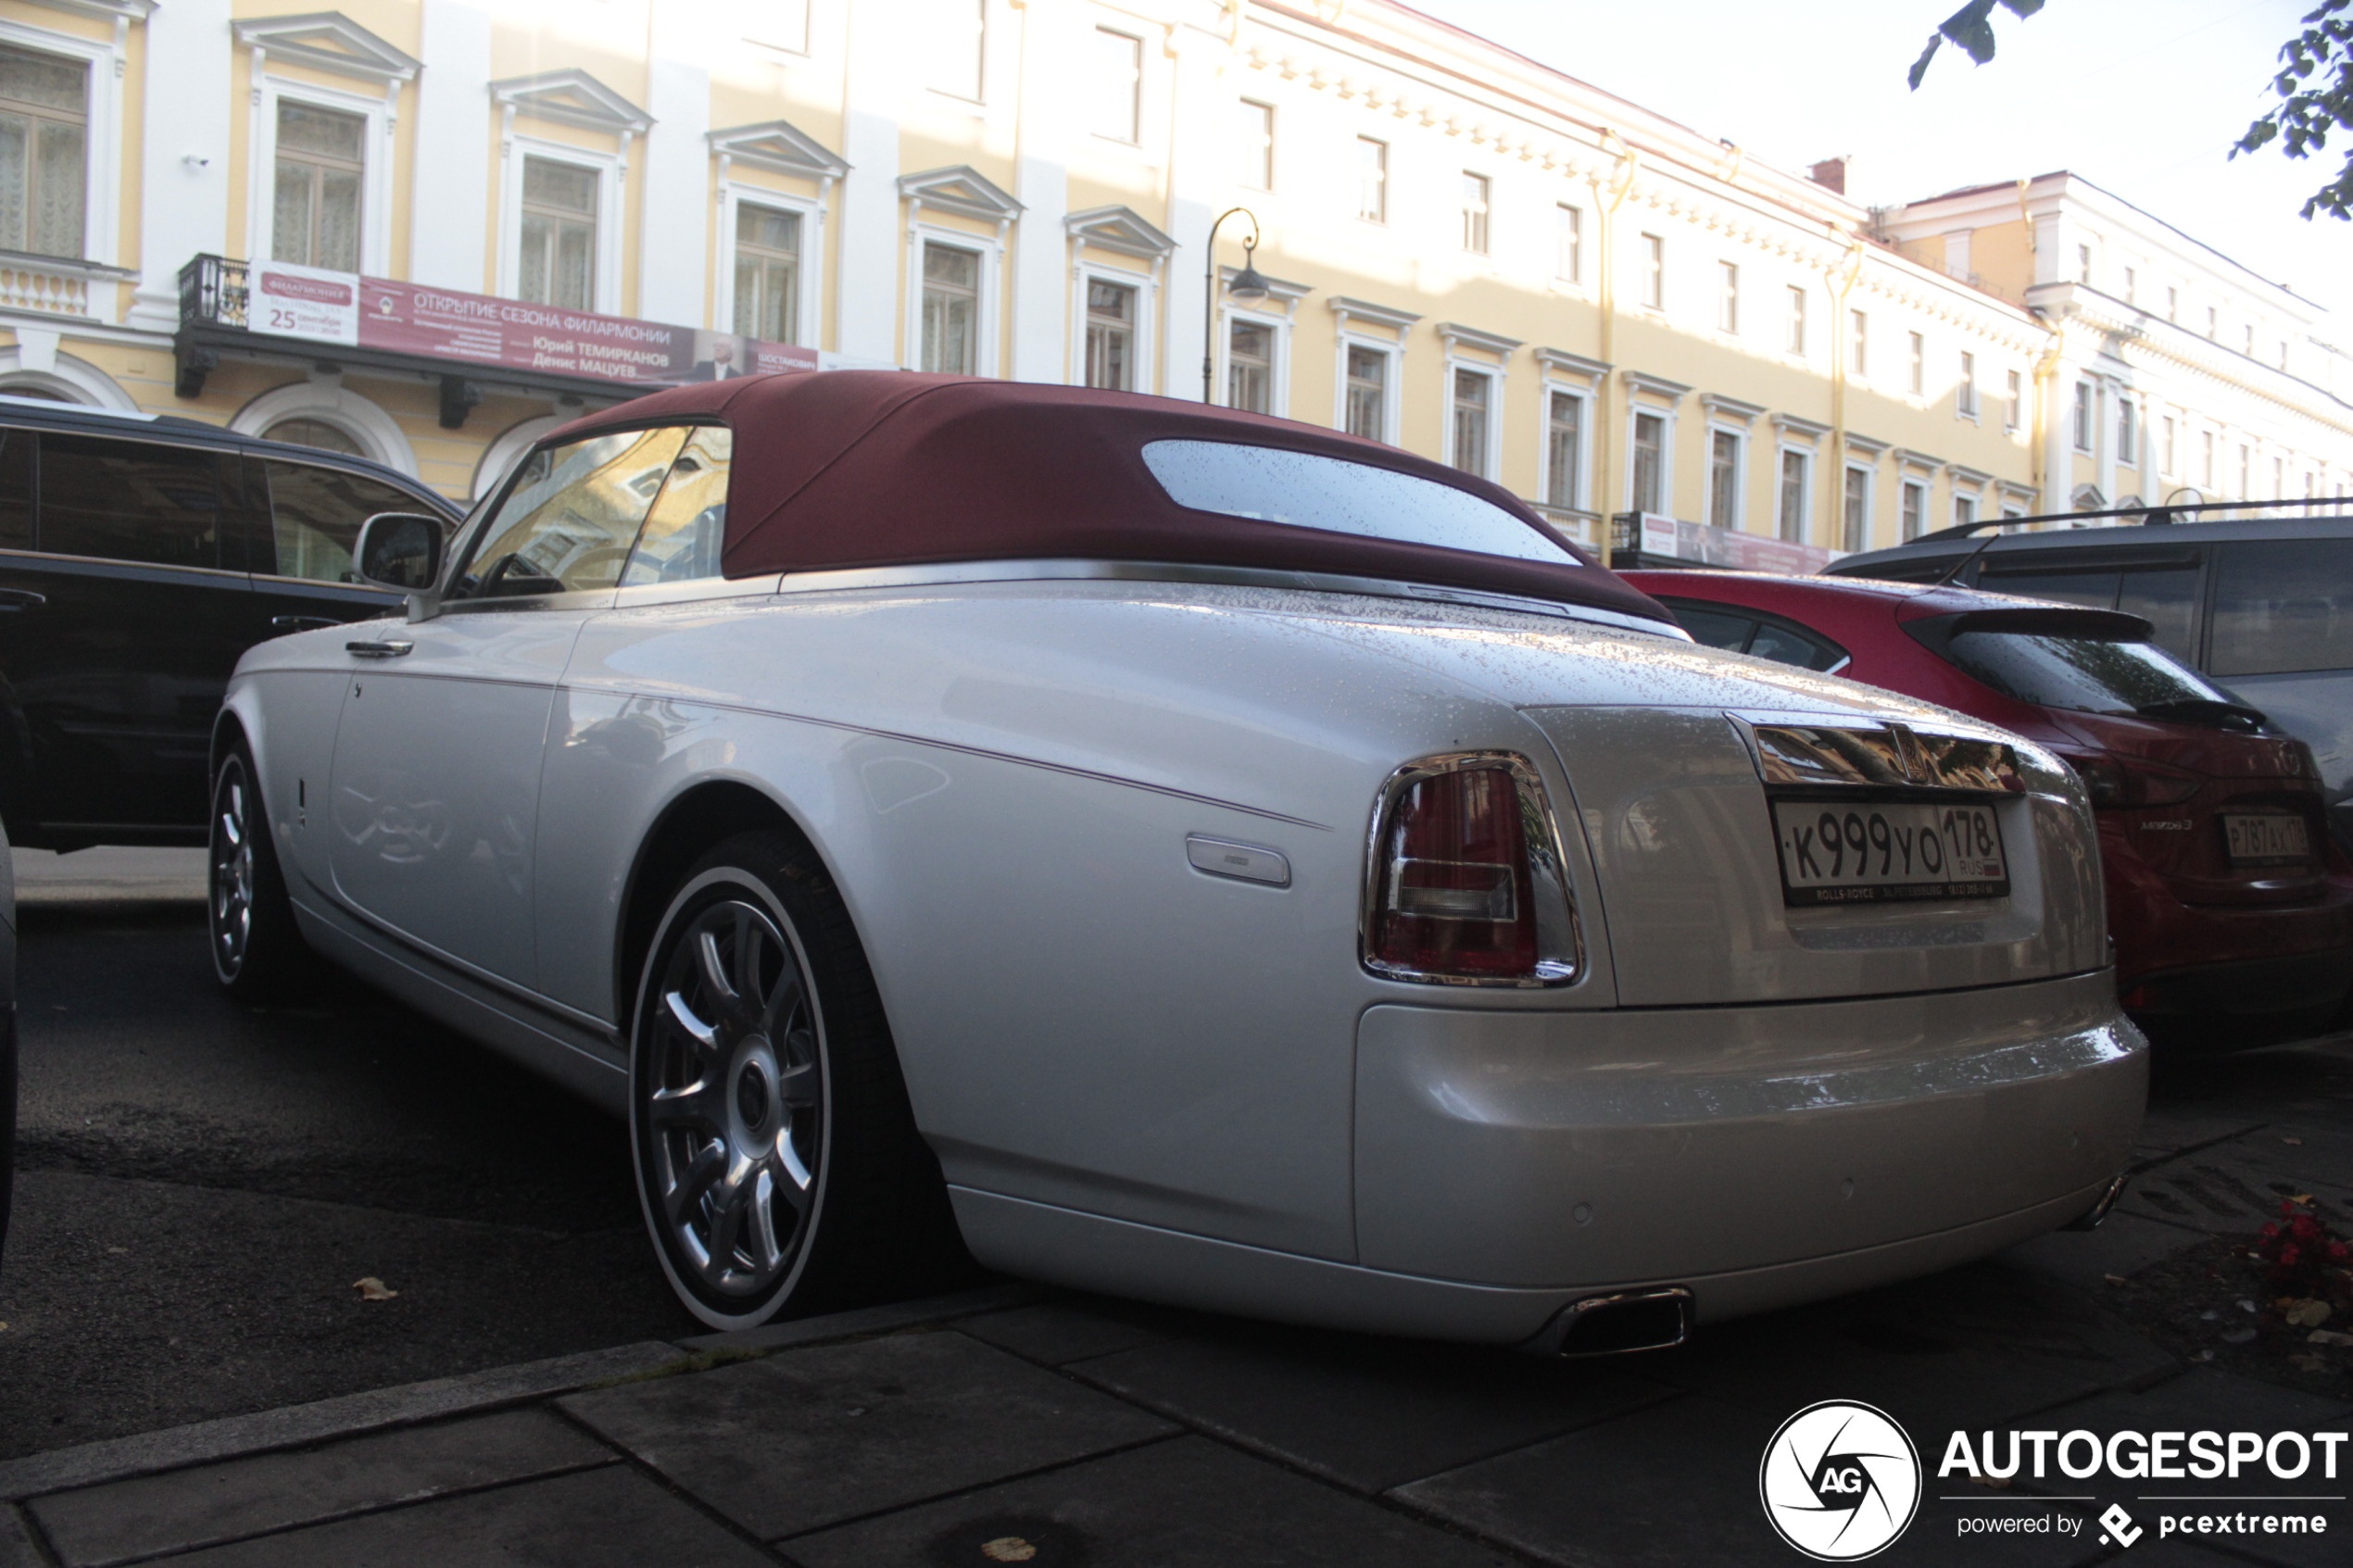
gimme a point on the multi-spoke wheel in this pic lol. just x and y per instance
(777, 1161)
(255, 950)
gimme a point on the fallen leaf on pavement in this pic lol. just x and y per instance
(373, 1289)
(2299, 1142)
(2305, 1313)
(2310, 1363)
(2114, 1279)
(2329, 1337)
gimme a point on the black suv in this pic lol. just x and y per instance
(2264, 606)
(140, 555)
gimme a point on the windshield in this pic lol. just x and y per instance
(2085, 674)
(1271, 484)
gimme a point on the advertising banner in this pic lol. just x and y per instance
(502, 334)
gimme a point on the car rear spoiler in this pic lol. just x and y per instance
(1937, 631)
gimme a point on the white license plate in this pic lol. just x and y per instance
(1866, 852)
(2268, 836)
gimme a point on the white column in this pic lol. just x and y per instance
(1193, 177)
(2059, 439)
(184, 207)
(674, 164)
(868, 214)
(1041, 184)
(449, 220)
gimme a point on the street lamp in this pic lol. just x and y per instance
(1248, 286)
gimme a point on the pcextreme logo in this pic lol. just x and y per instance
(1841, 1481)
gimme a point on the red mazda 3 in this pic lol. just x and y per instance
(2231, 906)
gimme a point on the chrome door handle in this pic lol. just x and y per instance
(379, 650)
(300, 623)
(22, 598)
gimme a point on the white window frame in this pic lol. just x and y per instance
(1261, 157)
(1870, 503)
(1361, 170)
(610, 169)
(1910, 484)
(1478, 234)
(1966, 402)
(375, 184)
(1916, 370)
(1797, 325)
(1491, 460)
(1575, 276)
(1279, 356)
(1728, 297)
(982, 69)
(1634, 406)
(1557, 386)
(1145, 368)
(1653, 254)
(1392, 390)
(1782, 450)
(101, 146)
(810, 316)
(987, 357)
(1136, 88)
(1740, 434)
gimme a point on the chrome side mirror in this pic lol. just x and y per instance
(400, 550)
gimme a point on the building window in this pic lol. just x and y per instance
(1792, 511)
(1856, 512)
(2247, 480)
(1724, 479)
(1917, 369)
(952, 310)
(1568, 243)
(1372, 179)
(1914, 503)
(321, 159)
(1650, 462)
(958, 33)
(559, 235)
(2213, 322)
(1565, 451)
(1257, 169)
(2250, 340)
(2015, 414)
(306, 431)
(1654, 271)
(2082, 416)
(1964, 510)
(2082, 264)
(1473, 392)
(2172, 304)
(1859, 356)
(1797, 319)
(1250, 366)
(1474, 213)
(45, 125)
(2206, 459)
(779, 24)
(1728, 296)
(1965, 395)
(2279, 479)
(767, 273)
(2131, 285)
(2168, 452)
(1367, 393)
(2128, 432)
(1118, 85)
(1111, 335)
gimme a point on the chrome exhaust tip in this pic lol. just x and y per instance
(2090, 1219)
(1617, 1324)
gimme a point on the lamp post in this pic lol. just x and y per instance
(1247, 286)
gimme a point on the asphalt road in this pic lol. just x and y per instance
(202, 1183)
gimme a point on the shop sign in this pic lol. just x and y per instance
(501, 333)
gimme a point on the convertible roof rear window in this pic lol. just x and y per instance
(1306, 490)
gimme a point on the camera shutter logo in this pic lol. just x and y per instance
(1841, 1481)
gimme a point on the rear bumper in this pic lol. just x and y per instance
(1736, 1146)
(2252, 990)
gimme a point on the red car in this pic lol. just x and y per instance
(2231, 908)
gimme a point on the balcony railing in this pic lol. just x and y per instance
(55, 286)
(1578, 527)
(213, 293)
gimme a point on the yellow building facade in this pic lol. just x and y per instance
(541, 209)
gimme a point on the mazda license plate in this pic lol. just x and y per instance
(2261, 838)
(1876, 852)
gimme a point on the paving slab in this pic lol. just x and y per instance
(1185, 1503)
(814, 1437)
(1058, 1332)
(614, 1518)
(2125, 1244)
(210, 1504)
(16, 1550)
(1669, 1486)
(1370, 1413)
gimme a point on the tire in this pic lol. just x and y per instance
(778, 1165)
(258, 953)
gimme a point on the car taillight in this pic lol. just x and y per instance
(1466, 885)
(2113, 781)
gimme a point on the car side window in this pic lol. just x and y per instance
(130, 500)
(571, 514)
(2093, 590)
(688, 523)
(315, 515)
(1786, 644)
(1713, 627)
(16, 489)
(2167, 598)
(2283, 605)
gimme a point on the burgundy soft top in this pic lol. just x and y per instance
(838, 469)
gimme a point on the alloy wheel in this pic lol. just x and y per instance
(732, 1104)
(231, 871)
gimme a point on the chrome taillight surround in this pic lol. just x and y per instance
(1560, 943)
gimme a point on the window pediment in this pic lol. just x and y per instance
(964, 191)
(1119, 229)
(571, 97)
(328, 41)
(780, 145)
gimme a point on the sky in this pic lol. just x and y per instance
(2144, 98)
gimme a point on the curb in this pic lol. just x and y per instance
(145, 1453)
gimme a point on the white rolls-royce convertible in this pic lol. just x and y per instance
(1178, 853)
